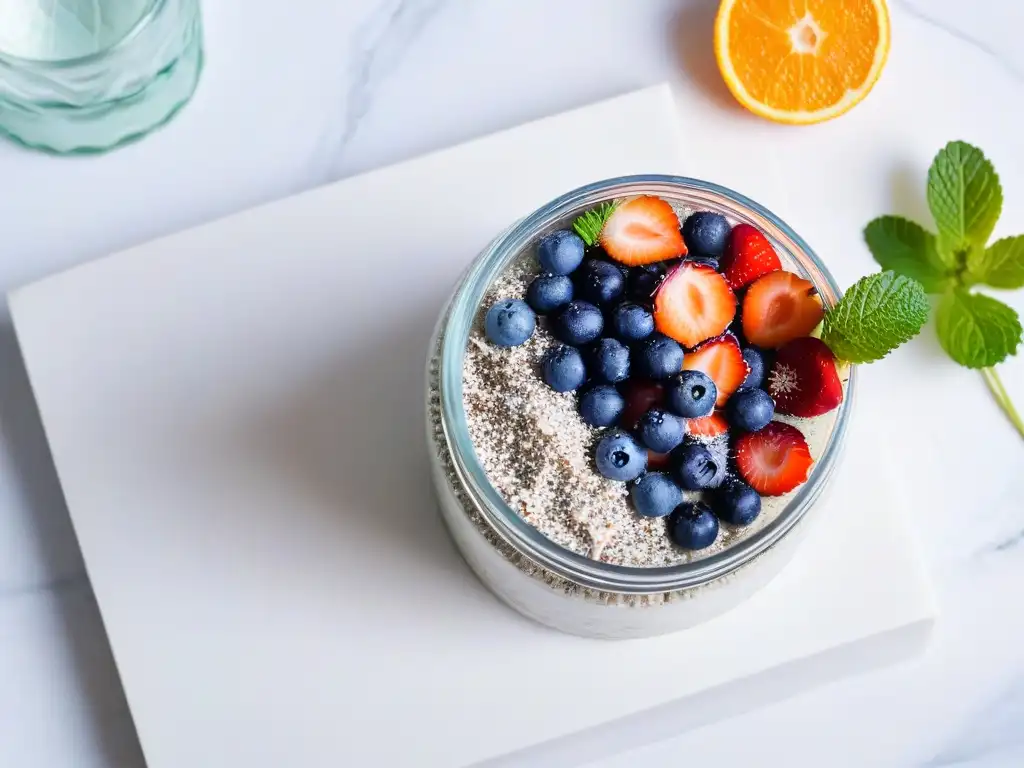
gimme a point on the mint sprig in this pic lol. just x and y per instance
(965, 198)
(589, 225)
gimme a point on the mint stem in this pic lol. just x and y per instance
(1002, 398)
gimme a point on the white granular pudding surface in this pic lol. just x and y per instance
(538, 452)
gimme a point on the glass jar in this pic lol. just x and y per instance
(552, 584)
(81, 76)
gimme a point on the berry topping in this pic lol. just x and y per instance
(708, 427)
(600, 406)
(644, 280)
(692, 394)
(704, 261)
(804, 380)
(655, 495)
(579, 323)
(775, 460)
(560, 252)
(548, 292)
(696, 467)
(750, 409)
(693, 304)
(641, 396)
(563, 368)
(660, 430)
(756, 360)
(748, 256)
(705, 233)
(642, 230)
(722, 360)
(600, 282)
(609, 361)
(632, 322)
(659, 357)
(658, 461)
(736, 502)
(693, 526)
(619, 457)
(780, 307)
(509, 323)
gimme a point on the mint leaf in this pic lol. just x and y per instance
(589, 225)
(876, 315)
(1001, 265)
(965, 198)
(905, 247)
(976, 330)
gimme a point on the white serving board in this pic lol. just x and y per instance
(235, 413)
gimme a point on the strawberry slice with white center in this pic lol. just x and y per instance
(694, 304)
(774, 460)
(804, 380)
(642, 231)
(780, 307)
(707, 428)
(722, 360)
(748, 255)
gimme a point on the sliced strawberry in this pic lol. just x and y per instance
(707, 427)
(804, 380)
(640, 395)
(748, 255)
(780, 307)
(722, 360)
(641, 231)
(775, 460)
(694, 304)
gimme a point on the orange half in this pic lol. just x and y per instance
(801, 61)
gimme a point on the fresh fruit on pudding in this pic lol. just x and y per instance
(750, 410)
(509, 323)
(641, 395)
(705, 234)
(722, 361)
(708, 427)
(755, 359)
(693, 526)
(609, 361)
(660, 431)
(735, 502)
(780, 307)
(619, 457)
(642, 230)
(692, 394)
(563, 368)
(804, 380)
(560, 252)
(599, 282)
(655, 495)
(632, 322)
(748, 256)
(659, 357)
(601, 406)
(696, 467)
(693, 304)
(548, 292)
(579, 323)
(774, 460)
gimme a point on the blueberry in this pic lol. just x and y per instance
(660, 430)
(736, 502)
(693, 526)
(509, 322)
(659, 357)
(609, 361)
(563, 368)
(619, 457)
(600, 406)
(692, 394)
(560, 252)
(548, 292)
(632, 322)
(705, 233)
(755, 358)
(579, 323)
(750, 409)
(600, 282)
(696, 467)
(707, 261)
(655, 495)
(644, 281)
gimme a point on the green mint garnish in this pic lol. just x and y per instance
(589, 225)
(880, 312)
(965, 198)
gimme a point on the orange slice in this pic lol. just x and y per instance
(801, 61)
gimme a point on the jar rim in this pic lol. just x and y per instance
(511, 527)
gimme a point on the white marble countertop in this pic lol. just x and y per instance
(294, 98)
